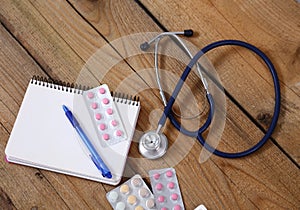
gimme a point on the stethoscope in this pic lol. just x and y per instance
(153, 144)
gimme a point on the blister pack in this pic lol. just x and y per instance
(134, 194)
(166, 189)
(200, 207)
(104, 115)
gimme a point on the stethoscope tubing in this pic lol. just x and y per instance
(198, 134)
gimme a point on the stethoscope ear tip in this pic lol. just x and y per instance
(145, 46)
(188, 32)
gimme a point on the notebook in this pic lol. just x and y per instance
(42, 136)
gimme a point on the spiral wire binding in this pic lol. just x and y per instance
(58, 84)
(126, 99)
(78, 89)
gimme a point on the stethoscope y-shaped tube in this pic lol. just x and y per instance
(181, 44)
(157, 40)
(153, 144)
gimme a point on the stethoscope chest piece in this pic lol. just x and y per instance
(153, 145)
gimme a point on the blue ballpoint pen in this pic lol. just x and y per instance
(94, 154)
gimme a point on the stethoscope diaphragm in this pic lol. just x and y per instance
(153, 145)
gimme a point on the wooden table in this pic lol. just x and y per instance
(56, 38)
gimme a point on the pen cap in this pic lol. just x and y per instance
(70, 116)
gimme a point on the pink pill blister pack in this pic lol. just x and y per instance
(166, 190)
(133, 194)
(104, 115)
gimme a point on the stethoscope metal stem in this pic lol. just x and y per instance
(153, 144)
(159, 127)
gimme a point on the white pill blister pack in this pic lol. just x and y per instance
(166, 190)
(200, 207)
(133, 194)
(105, 116)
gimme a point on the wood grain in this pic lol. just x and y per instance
(118, 26)
(58, 39)
(34, 185)
(276, 33)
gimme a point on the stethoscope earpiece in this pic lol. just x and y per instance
(145, 46)
(188, 32)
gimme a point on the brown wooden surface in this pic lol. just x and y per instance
(56, 38)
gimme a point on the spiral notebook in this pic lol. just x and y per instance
(43, 138)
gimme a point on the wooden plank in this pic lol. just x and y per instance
(259, 23)
(117, 26)
(16, 69)
(75, 192)
(252, 182)
(62, 191)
